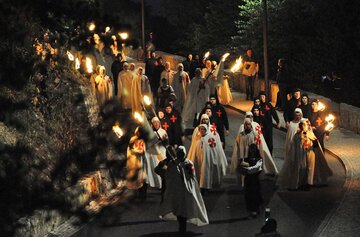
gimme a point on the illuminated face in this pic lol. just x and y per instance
(247, 127)
(156, 124)
(262, 98)
(202, 131)
(256, 112)
(297, 95)
(298, 115)
(161, 115)
(314, 106)
(132, 67)
(305, 100)
(213, 100)
(257, 102)
(168, 109)
(208, 64)
(208, 112)
(249, 53)
(205, 120)
(167, 66)
(140, 71)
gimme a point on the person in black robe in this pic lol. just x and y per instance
(220, 119)
(318, 123)
(150, 66)
(268, 112)
(257, 118)
(305, 105)
(291, 105)
(175, 132)
(116, 68)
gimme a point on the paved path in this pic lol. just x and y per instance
(344, 220)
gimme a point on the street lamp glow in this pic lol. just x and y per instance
(123, 35)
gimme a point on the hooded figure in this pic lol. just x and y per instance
(182, 199)
(180, 83)
(209, 159)
(268, 162)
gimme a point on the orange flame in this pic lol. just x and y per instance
(321, 106)
(70, 56)
(117, 130)
(89, 65)
(77, 64)
(237, 65)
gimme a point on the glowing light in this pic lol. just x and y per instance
(92, 26)
(123, 35)
(70, 56)
(89, 65)
(77, 64)
(223, 58)
(117, 130)
(147, 100)
(138, 117)
(330, 118)
(329, 127)
(321, 106)
(237, 65)
(107, 29)
(206, 55)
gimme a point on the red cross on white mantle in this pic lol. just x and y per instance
(165, 126)
(213, 129)
(257, 140)
(173, 118)
(212, 142)
(258, 130)
(219, 113)
(139, 146)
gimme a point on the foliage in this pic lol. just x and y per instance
(47, 142)
(317, 38)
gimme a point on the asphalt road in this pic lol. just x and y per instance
(298, 213)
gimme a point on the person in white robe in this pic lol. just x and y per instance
(197, 95)
(167, 73)
(182, 200)
(180, 83)
(209, 160)
(268, 162)
(210, 78)
(292, 130)
(140, 86)
(224, 93)
(100, 85)
(156, 152)
(125, 78)
(196, 136)
(298, 169)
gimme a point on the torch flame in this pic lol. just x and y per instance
(70, 56)
(237, 65)
(117, 130)
(225, 56)
(147, 100)
(329, 127)
(138, 117)
(77, 64)
(321, 106)
(123, 35)
(89, 65)
(92, 26)
(107, 29)
(330, 118)
(206, 55)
